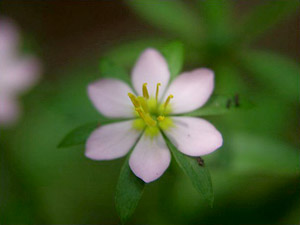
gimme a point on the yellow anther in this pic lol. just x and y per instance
(157, 91)
(143, 103)
(168, 101)
(145, 91)
(134, 101)
(160, 118)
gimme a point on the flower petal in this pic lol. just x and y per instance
(9, 38)
(18, 75)
(191, 90)
(194, 136)
(111, 141)
(110, 97)
(150, 158)
(9, 110)
(151, 68)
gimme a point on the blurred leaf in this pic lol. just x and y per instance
(174, 54)
(199, 175)
(219, 104)
(217, 17)
(255, 153)
(171, 16)
(79, 135)
(109, 69)
(128, 192)
(277, 72)
(126, 54)
(265, 16)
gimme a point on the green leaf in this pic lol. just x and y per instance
(128, 192)
(174, 54)
(126, 54)
(266, 16)
(79, 135)
(264, 155)
(278, 73)
(219, 104)
(199, 175)
(172, 16)
(109, 69)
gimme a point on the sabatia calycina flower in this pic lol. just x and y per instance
(154, 106)
(17, 73)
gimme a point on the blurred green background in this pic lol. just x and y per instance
(253, 47)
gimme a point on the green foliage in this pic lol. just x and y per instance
(278, 73)
(128, 192)
(172, 16)
(219, 104)
(264, 155)
(109, 69)
(199, 175)
(126, 54)
(266, 16)
(217, 17)
(174, 54)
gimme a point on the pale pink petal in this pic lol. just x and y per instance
(111, 141)
(19, 74)
(110, 97)
(150, 68)
(9, 38)
(150, 158)
(194, 136)
(9, 111)
(191, 90)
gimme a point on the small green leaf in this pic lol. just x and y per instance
(219, 104)
(126, 54)
(172, 16)
(174, 54)
(266, 16)
(79, 135)
(199, 175)
(128, 192)
(279, 74)
(109, 69)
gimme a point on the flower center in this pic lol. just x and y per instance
(152, 114)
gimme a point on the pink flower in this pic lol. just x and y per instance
(157, 107)
(17, 73)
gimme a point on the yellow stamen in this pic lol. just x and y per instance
(146, 117)
(160, 118)
(157, 91)
(143, 103)
(149, 120)
(134, 101)
(140, 112)
(168, 101)
(145, 91)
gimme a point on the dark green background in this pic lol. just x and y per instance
(253, 47)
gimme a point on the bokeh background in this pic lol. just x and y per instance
(253, 47)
